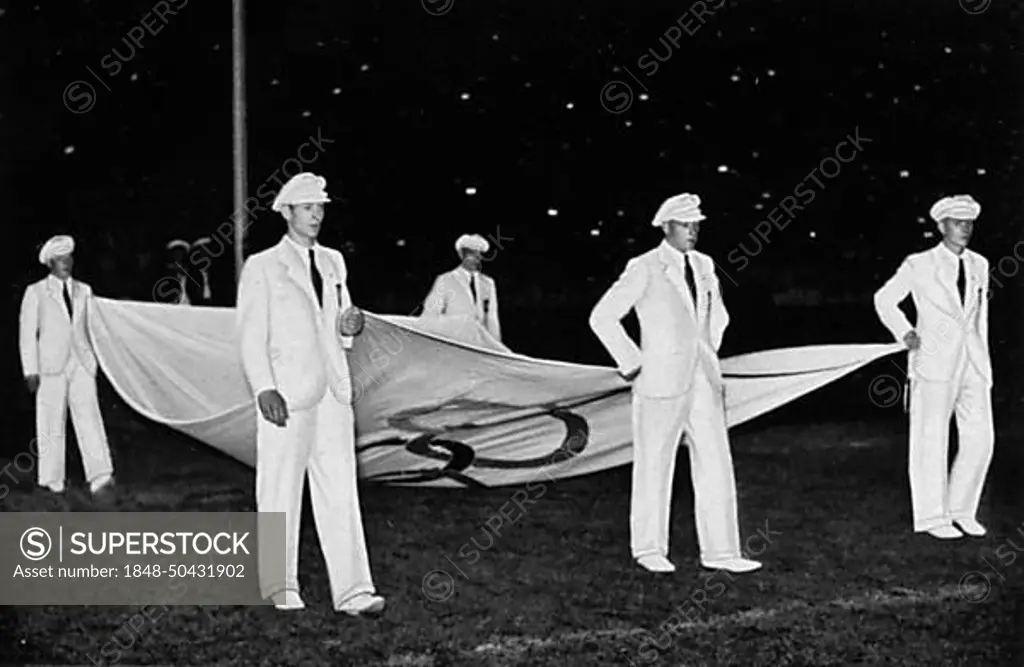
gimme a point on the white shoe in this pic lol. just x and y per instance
(738, 565)
(362, 604)
(971, 527)
(946, 532)
(101, 483)
(288, 601)
(655, 563)
(53, 488)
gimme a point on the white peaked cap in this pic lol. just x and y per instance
(55, 247)
(684, 208)
(304, 188)
(472, 242)
(958, 207)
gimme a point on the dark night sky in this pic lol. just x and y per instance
(765, 88)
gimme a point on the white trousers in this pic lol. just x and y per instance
(320, 441)
(76, 387)
(658, 426)
(938, 495)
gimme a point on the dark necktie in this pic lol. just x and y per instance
(472, 286)
(689, 280)
(67, 300)
(961, 281)
(318, 281)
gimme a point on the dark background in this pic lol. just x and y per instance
(935, 87)
(152, 160)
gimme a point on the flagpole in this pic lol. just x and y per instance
(238, 57)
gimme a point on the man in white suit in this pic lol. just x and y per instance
(60, 369)
(295, 316)
(677, 388)
(465, 291)
(178, 251)
(200, 250)
(949, 370)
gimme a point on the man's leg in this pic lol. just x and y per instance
(339, 521)
(711, 469)
(931, 406)
(281, 457)
(976, 440)
(89, 427)
(51, 421)
(657, 429)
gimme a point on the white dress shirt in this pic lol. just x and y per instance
(303, 252)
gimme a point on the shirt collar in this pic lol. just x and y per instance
(301, 250)
(54, 281)
(949, 256)
(678, 255)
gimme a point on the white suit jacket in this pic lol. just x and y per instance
(675, 333)
(947, 329)
(451, 296)
(286, 343)
(48, 337)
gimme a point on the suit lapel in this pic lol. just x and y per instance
(55, 290)
(332, 281)
(947, 283)
(675, 274)
(295, 269)
(466, 278)
(484, 294)
(75, 292)
(700, 279)
(971, 297)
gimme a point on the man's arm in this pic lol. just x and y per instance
(28, 329)
(253, 323)
(605, 318)
(888, 298)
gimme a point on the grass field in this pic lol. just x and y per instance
(845, 581)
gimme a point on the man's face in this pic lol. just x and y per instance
(682, 235)
(61, 266)
(956, 233)
(305, 220)
(472, 259)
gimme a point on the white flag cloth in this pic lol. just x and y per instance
(437, 403)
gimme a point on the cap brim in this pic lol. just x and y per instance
(699, 218)
(279, 205)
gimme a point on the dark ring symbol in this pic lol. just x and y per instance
(460, 455)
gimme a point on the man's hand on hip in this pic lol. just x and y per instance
(273, 407)
(32, 382)
(912, 340)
